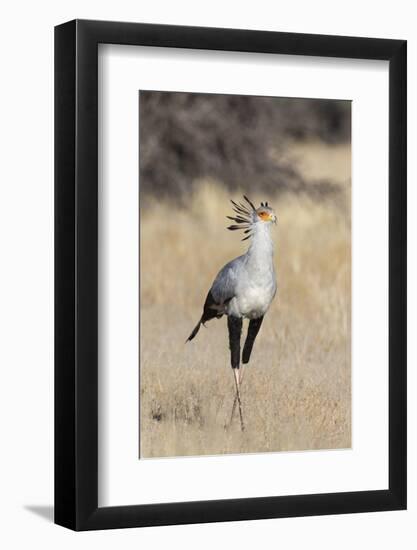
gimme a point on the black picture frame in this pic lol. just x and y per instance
(76, 272)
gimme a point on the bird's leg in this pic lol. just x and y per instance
(237, 382)
(235, 399)
(253, 329)
(234, 325)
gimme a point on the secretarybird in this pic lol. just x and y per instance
(244, 288)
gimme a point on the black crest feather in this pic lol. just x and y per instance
(243, 217)
(248, 201)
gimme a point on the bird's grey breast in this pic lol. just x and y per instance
(246, 287)
(256, 290)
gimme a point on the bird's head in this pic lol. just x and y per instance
(265, 214)
(246, 215)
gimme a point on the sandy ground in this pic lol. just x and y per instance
(297, 388)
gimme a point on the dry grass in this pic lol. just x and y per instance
(297, 388)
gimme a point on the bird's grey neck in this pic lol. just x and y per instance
(261, 242)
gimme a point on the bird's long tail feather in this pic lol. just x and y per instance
(195, 330)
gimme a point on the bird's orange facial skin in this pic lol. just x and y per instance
(265, 216)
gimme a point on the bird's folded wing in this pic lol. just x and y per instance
(224, 285)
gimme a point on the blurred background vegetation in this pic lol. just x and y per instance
(242, 141)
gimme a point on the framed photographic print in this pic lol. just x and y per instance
(230, 252)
